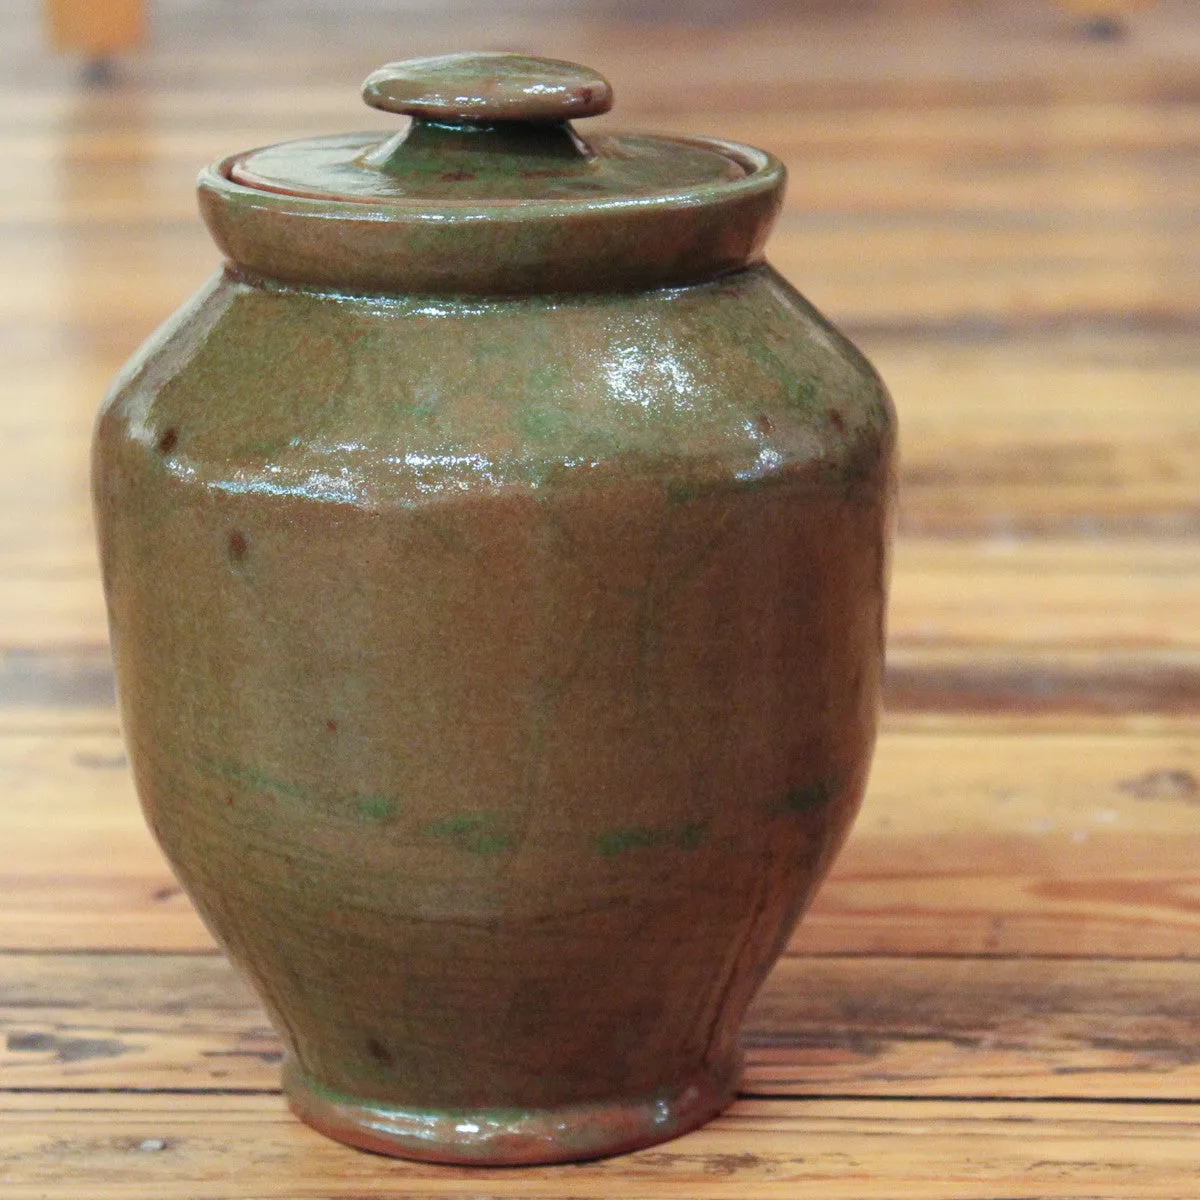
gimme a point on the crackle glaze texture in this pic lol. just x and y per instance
(501, 679)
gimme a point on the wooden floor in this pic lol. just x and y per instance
(998, 992)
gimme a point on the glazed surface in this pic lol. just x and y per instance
(501, 675)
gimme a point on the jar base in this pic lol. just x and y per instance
(513, 1136)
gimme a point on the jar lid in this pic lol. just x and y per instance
(490, 189)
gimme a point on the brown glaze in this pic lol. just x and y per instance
(513, 1136)
(501, 678)
(570, 240)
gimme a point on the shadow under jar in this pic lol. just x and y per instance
(496, 556)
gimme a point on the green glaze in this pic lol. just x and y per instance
(489, 166)
(500, 673)
(488, 87)
(638, 837)
(491, 191)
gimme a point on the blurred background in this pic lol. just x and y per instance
(998, 201)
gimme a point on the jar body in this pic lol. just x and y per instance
(500, 678)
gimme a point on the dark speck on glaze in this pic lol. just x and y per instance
(379, 1052)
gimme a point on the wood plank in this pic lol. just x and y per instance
(969, 1027)
(846, 168)
(1027, 844)
(977, 842)
(119, 1147)
(863, 270)
(1000, 444)
(1054, 436)
(59, 684)
(1056, 596)
(1103, 170)
(76, 863)
(1013, 1028)
(760, 54)
(192, 123)
(58, 612)
(972, 689)
(1061, 433)
(1040, 690)
(1029, 136)
(1065, 595)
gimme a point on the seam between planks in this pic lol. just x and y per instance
(757, 1097)
(824, 955)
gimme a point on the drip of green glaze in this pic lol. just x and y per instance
(640, 837)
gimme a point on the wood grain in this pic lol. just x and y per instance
(1055, 596)
(995, 995)
(1059, 439)
(228, 1147)
(833, 1025)
(968, 843)
(1005, 269)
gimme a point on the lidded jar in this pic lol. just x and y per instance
(496, 557)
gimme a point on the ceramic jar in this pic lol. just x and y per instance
(496, 554)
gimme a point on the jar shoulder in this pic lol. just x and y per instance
(259, 388)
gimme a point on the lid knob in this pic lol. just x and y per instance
(488, 87)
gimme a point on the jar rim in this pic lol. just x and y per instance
(670, 238)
